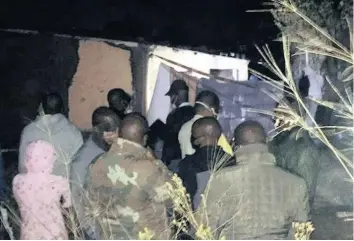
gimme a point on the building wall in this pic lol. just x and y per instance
(139, 60)
(198, 61)
(101, 68)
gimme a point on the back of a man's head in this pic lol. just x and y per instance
(105, 119)
(52, 104)
(249, 132)
(134, 128)
(206, 131)
(209, 98)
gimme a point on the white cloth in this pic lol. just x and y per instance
(312, 107)
(315, 92)
(184, 104)
(160, 103)
(184, 137)
(316, 83)
(57, 130)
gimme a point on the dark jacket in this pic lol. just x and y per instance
(91, 149)
(297, 153)
(120, 114)
(169, 134)
(255, 199)
(194, 170)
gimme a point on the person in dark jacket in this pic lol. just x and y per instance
(118, 101)
(296, 152)
(182, 113)
(195, 169)
(105, 124)
(255, 199)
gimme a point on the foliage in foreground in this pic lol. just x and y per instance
(344, 108)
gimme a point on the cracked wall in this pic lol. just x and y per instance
(101, 68)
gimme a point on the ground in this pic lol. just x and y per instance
(333, 212)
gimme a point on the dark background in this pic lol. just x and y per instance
(217, 24)
(33, 65)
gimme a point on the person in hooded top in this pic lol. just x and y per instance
(40, 195)
(53, 127)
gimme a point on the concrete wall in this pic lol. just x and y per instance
(101, 68)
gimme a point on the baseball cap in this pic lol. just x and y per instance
(177, 85)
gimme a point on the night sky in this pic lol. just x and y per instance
(216, 24)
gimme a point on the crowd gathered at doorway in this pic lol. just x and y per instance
(115, 185)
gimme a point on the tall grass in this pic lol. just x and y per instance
(320, 43)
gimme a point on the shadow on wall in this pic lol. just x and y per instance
(29, 67)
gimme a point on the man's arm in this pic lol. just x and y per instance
(308, 168)
(77, 141)
(22, 150)
(158, 129)
(156, 180)
(302, 213)
(302, 210)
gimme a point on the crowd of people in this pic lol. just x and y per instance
(111, 185)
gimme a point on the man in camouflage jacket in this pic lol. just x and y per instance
(127, 187)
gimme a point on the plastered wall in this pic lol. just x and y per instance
(101, 67)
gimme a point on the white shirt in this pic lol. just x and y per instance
(184, 104)
(316, 83)
(184, 137)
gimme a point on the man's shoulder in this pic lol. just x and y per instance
(33, 125)
(127, 161)
(271, 170)
(286, 176)
(70, 126)
(33, 132)
(186, 110)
